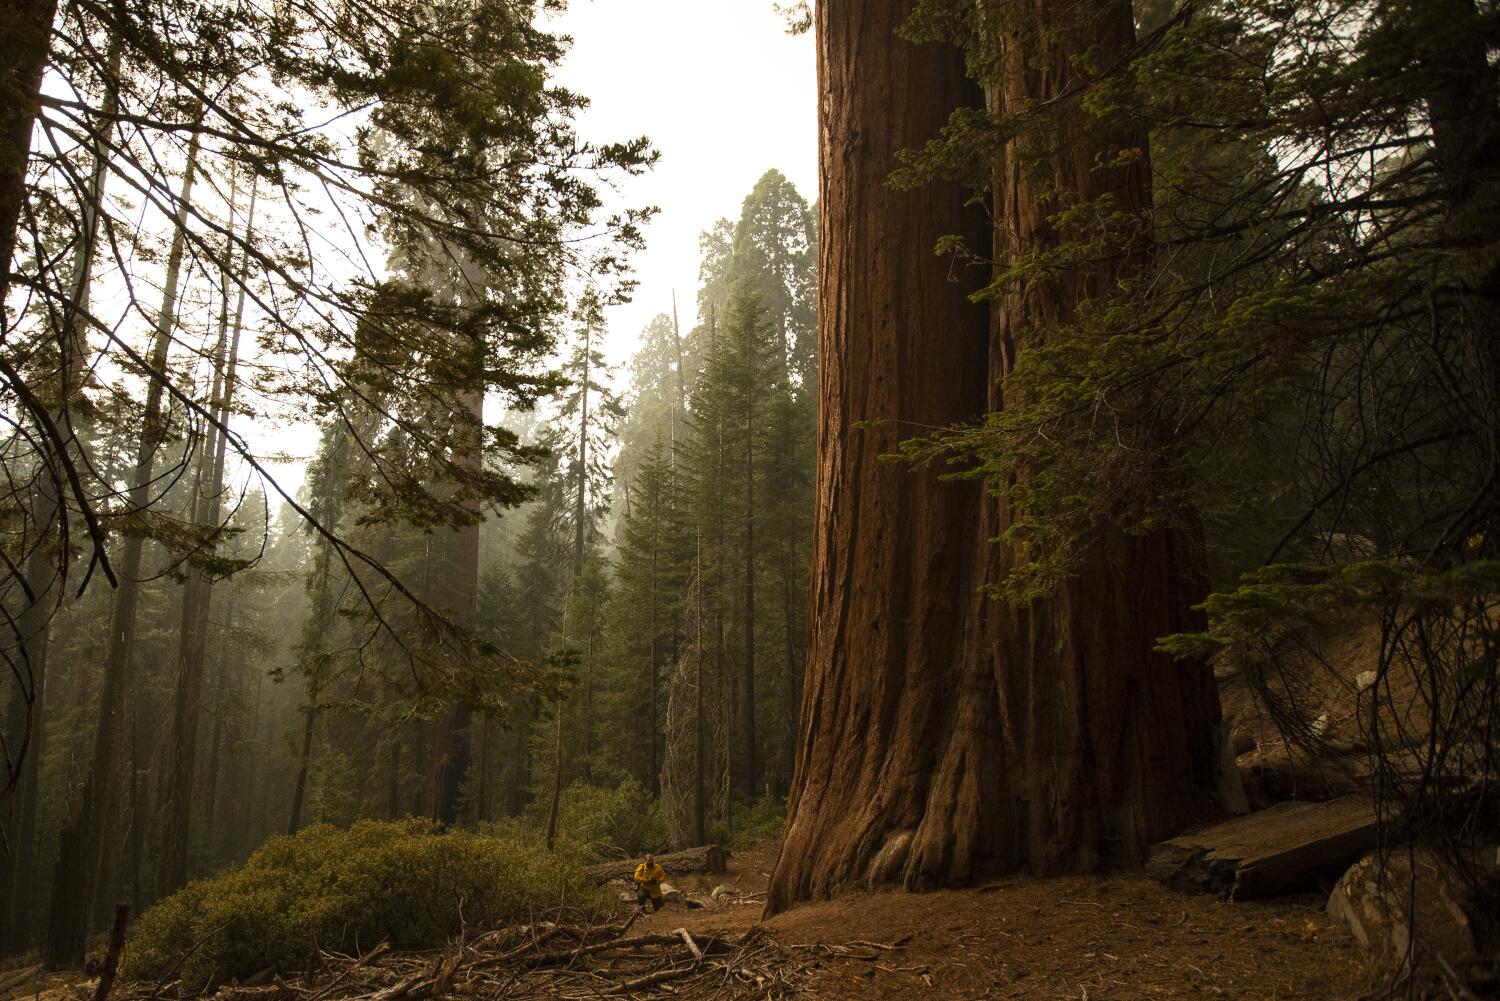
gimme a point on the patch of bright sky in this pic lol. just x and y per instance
(724, 93)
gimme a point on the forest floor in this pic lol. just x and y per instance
(1117, 936)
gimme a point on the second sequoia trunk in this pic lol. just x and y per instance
(946, 736)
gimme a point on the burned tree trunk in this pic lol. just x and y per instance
(947, 736)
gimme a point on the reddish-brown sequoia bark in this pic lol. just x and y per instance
(1113, 745)
(894, 553)
(947, 737)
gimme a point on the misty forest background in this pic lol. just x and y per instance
(1197, 327)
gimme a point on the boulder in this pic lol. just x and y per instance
(1407, 910)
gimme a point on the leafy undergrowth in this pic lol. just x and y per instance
(334, 890)
(594, 822)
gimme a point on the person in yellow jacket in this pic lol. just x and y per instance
(648, 880)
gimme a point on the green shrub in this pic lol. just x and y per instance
(604, 822)
(758, 822)
(346, 891)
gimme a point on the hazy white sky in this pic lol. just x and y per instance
(724, 93)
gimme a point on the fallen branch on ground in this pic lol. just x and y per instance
(546, 959)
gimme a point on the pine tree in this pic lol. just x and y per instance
(589, 415)
(730, 405)
(773, 247)
(646, 611)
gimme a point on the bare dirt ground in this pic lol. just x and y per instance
(1120, 936)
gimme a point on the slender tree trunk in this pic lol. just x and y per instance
(137, 813)
(81, 861)
(448, 763)
(679, 403)
(700, 731)
(557, 770)
(28, 26)
(482, 807)
(215, 756)
(949, 737)
(304, 761)
(792, 677)
(749, 756)
(521, 776)
(653, 725)
(580, 509)
(588, 707)
(257, 825)
(393, 793)
(197, 596)
(449, 754)
(23, 59)
(726, 685)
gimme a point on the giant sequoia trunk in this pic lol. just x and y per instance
(1112, 744)
(946, 736)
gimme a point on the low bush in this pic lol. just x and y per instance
(763, 820)
(346, 891)
(604, 822)
(754, 823)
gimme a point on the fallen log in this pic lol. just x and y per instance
(1274, 850)
(708, 858)
(11, 981)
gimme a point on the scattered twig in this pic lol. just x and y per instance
(682, 933)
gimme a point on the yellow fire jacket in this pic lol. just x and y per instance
(650, 878)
